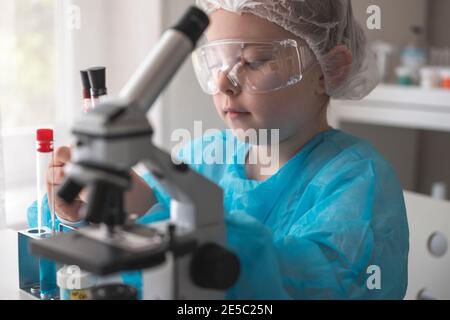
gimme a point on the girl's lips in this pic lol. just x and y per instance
(233, 114)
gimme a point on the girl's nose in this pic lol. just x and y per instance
(227, 85)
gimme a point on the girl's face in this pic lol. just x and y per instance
(290, 109)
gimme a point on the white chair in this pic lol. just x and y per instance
(429, 253)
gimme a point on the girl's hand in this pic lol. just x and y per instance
(70, 212)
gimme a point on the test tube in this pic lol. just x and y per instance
(44, 156)
(97, 80)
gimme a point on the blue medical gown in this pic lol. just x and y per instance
(315, 228)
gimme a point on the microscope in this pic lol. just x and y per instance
(184, 257)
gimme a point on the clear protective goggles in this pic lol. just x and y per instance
(253, 66)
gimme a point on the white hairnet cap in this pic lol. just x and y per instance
(331, 31)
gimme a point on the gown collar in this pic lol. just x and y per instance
(237, 169)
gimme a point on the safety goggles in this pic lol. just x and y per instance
(253, 66)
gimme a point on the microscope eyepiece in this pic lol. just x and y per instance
(193, 24)
(97, 81)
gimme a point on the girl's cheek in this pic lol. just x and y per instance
(266, 82)
(217, 104)
(266, 103)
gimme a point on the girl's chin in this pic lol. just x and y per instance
(256, 136)
(243, 130)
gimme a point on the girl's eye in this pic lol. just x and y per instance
(254, 65)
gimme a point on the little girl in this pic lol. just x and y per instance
(328, 220)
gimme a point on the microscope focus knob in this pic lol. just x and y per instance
(214, 267)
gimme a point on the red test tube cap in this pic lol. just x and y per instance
(44, 135)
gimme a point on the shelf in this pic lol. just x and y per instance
(411, 95)
(393, 105)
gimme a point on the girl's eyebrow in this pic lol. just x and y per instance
(252, 50)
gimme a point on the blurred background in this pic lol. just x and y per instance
(45, 43)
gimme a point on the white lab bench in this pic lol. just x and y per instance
(428, 273)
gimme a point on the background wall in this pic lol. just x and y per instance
(397, 17)
(438, 28)
(114, 33)
(184, 102)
